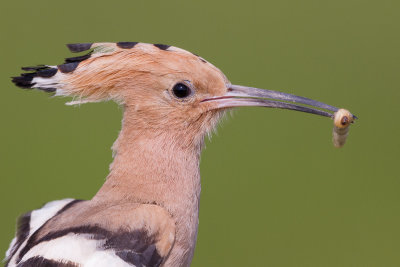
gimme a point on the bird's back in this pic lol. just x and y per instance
(87, 233)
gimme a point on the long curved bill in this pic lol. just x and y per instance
(239, 96)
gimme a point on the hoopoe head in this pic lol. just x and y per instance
(164, 88)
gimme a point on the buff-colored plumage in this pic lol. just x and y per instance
(154, 179)
(146, 213)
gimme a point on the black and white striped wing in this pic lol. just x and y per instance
(30, 222)
(85, 245)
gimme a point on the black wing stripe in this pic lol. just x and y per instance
(135, 247)
(23, 229)
(43, 262)
(69, 205)
(31, 241)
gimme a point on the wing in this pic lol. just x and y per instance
(30, 222)
(93, 235)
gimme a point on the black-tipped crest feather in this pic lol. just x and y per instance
(24, 81)
(46, 73)
(162, 46)
(77, 59)
(126, 45)
(68, 67)
(76, 48)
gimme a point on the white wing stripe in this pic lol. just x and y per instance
(40, 216)
(37, 219)
(86, 251)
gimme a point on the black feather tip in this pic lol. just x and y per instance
(75, 48)
(162, 46)
(126, 45)
(24, 81)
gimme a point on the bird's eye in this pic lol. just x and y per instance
(181, 90)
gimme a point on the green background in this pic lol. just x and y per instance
(275, 192)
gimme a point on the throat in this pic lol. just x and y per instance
(151, 169)
(158, 167)
(154, 164)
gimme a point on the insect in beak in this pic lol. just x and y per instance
(239, 96)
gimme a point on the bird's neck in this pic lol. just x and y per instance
(158, 167)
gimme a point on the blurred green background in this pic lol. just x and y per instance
(275, 192)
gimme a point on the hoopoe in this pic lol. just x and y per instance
(146, 213)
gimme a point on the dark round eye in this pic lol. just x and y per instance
(181, 90)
